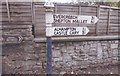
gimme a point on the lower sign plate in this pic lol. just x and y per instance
(66, 31)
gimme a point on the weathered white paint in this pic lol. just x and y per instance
(49, 18)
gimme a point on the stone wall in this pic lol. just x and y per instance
(81, 57)
(24, 58)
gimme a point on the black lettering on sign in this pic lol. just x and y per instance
(83, 31)
(75, 21)
(55, 16)
(65, 18)
(60, 31)
(83, 21)
(73, 31)
(92, 19)
(57, 20)
(66, 21)
(62, 21)
(55, 31)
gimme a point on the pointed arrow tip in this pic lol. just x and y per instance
(96, 19)
(87, 30)
(20, 38)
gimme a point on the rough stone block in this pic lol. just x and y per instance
(93, 45)
(117, 42)
(77, 51)
(84, 56)
(68, 64)
(75, 57)
(30, 56)
(27, 68)
(105, 47)
(105, 54)
(77, 47)
(66, 58)
(70, 51)
(56, 54)
(28, 48)
(63, 50)
(39, 63)
(43, 51)
(57, 59)
(92, 53)
(115, 52)
(29, 63)
(42, 59)
(114, 45)
(57, 65)
(56, 48)
(70, 47)
(86, 47)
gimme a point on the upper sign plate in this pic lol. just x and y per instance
(65, 18)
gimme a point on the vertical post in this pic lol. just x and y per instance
(108, 21)
(79, 12)
(1, 42)
(49, 20)
(33, 17)
(49, 56)
(98, 14)
(8, 10)
(55, 11)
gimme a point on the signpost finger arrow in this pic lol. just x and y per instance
(66, 31)
(66, 18)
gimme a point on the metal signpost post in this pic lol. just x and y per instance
(49, 22)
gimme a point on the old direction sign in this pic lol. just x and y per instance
(66, 18)
(10, 39)
(66, 31)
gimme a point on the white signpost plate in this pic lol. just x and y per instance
(66, 18)
(66, 31)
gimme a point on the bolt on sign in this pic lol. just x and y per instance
(66, 18)
(65, 31)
